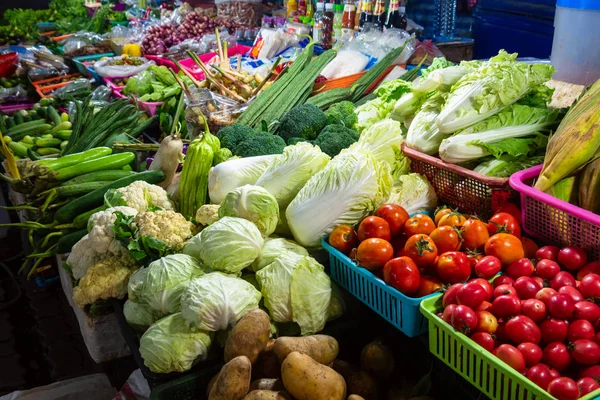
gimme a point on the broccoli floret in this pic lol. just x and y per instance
(305, 121)
(335, 138)
(260, 145)
(294, 140)
(232, 135)
(342, 113)
(222, 155)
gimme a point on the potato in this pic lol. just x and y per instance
(249, 336)
(363, 384)
(267, 384)
(321, 348)
(267, 395)
(355, 397)
(267, 365)
(345, 369)
(233, 381)
(306, 379)
(211, 383)
(376, 358)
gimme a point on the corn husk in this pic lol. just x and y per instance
(566, 190)
(589, 189)
(576, 141)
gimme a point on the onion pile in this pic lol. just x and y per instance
(160, 38)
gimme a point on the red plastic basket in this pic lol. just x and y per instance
(553, 220)
(460, 187)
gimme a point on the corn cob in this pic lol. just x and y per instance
(576, 141)
(589, 187)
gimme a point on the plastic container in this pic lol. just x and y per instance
(460, 187)
(398, 309)
(85, 65)
(482, 369)
(552, 220)
(576, 36)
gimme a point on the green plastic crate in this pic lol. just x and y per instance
(478, 366)
(192, 386)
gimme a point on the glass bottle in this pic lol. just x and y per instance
(310, 10)
(327, 32)
(379, 14)
(366, 16)
(348, 19)
(318, 25)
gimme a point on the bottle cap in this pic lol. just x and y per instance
(338, 7)
(320, 6)
(329, 6)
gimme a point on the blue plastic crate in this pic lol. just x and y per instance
(398, 309)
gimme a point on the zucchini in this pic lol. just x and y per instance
(46, 151)
(95, 199)
(53, 116)
(33, 131)
(106, 175)
(66, 243)
(45, 142)
(81, 221)
(63, 135)
(114, 161)
(77, 189)
(77, 158)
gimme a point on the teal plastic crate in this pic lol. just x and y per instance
(88, 70)
(398, 309)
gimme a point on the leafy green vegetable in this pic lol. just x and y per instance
(506, 165)
(254, 203)
(515, 147)
(310, 296)
(437, 63)
(143, 249)
(423, 133)
(414, 193)
(274, 247)
(139, 316)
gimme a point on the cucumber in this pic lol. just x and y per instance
(32, 155)
(18, 149)
(106, 175)
(24, 126)
(81, 221)
(48, 142)
(61, 127)
(66, 243)
(18, 119)
(53, 116)
(95, 199)
(76, 158)
(46, 151)
(28, 139)
(10, 123)
(64, 144)
(63, 135)
(78, 189)
(114, 161)
(64, 117)
(33, 131)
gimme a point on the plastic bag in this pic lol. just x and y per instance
(247, 12)
(345, 63)
(109, 67)
(77, 86)
(15, 94)
(271, 42)
(427, 49)
(219, 110)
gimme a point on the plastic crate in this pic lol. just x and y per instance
(460, 187)
(85, 65)
(398, 309)
(552, 220)
(150, 107)
(478, 366)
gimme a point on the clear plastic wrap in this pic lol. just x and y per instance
(84, 43)
(271, 42)
(377, 44)
(219, 111)
(76, 86)
(15, 94)
(109, 67)
(40, 63)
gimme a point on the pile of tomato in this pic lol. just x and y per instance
(418, 255)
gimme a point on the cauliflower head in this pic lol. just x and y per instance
(101, 234)
(82, 257)
(207, 214)
(140, 195)
(104, 280)
(168, 226)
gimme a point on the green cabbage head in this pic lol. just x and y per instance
(253, 203)
(139, 316)
(273, 248)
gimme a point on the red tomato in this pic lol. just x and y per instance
(511, 356)
(501, 331)
(572, 258)
(563, 278)
(471, 295)
(587, 310)
(464, 319)
(564, 389)
(440, 212)
(511, 209)
(504, 223)
(485, 306)
(590, 286)
(557, 356)
(374, 227)
(506, 247)
(553, 330)
(504, 290)
(402, 274)
(489, 289)
(591, 268)
(421, 249)
(503, 280)
(591, 372)
(529, 247)
(475, 235)
(539, 281)
(374, 253)
(526, 287)
(519, 268)
(343, 238)
(446, 238)
(395, 215)
(587, 386)
(521, 329)
(488, 267)
(484, 339)
(561, 306)
(585, 351)
(447, 314)
(580, 329)
(419, 224)
(450, 295)
(547, 253)
(534, 309)
(486, 322)
(506, 306)
(545, 295)
(571, 291)
(547, 269)
(531, 352)
(540, 375)
(428, 285)
(453, 219)
(453, 267)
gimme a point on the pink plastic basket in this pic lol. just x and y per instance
(552, 220)
(148, 106)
